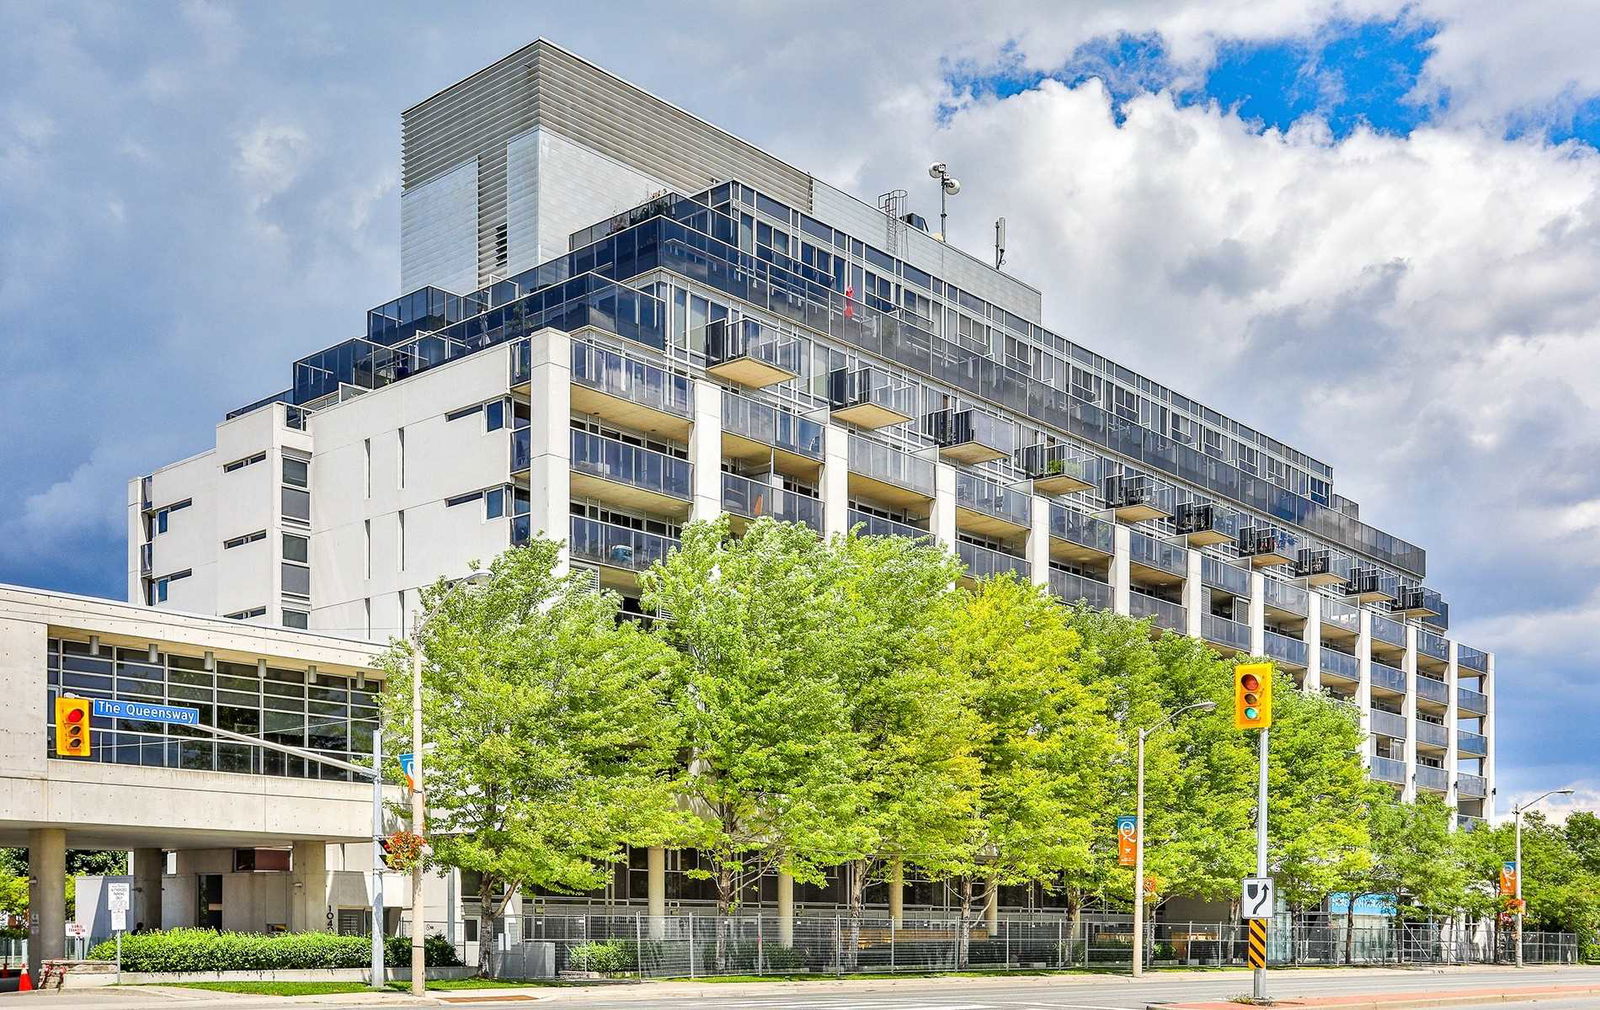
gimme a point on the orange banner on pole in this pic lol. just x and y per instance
(1508, 878)
(1127, 840)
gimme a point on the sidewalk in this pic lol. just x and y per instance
(1405, 1000)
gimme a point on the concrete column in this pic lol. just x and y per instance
(149, 867)
(656, 894)
(1121, 550)
(1039, 540)
(47, 896)
(1312, 636)
(1364, 681)
(1452, 756)
(1258, 614)
(1194, 596)
(785, 910)
(943, 522)
(897, 892)
(705, 450)
(835, 480)
(1408, 666)
(1490, 745)
(991, 908)
(550, 436)
(308, 879)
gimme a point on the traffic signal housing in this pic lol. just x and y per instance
(1252, 696)
(72, 727)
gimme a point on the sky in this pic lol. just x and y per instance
(1368, 228)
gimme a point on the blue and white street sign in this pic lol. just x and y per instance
(181, 715)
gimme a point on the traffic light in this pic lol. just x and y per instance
(72, 727)
(1252, 696)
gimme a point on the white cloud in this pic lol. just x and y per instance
(270, 157)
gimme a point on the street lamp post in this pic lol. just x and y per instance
(1517, 813)
(1138, 836)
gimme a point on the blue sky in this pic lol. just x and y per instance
(1391, 211)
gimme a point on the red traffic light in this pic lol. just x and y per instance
(74, 715)
(1250, 682)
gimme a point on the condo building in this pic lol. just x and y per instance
(618, 318)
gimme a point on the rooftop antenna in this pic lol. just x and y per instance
(948, 186)
(999, 242)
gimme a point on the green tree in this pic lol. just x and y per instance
(1412, 857)
(770, 759)
(549, 743)
(1583, 835)
(1563, 895)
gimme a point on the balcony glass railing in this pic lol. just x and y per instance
(1059, 460)
(633, 465)
(1432, 733)
(1222, 631)
(732, 339)
(1389, 724)
(1389, 770)
(1429, 644)
(617, 546)
(1157, 554)
(1340, 665)
(1472, 744)
(1471, 786)
(984, 562)
(877, 526)
(616, 375)
(1385, 630)
(521, 454)
(1472, 659)
(1163, 613)
(1372, 584)
(1083, 530)
(1435, 780)
(870, 387)
(1285, 649)
(1340, 615)
(981, 494)
(1387, 677)
(1469, 822)
(1433, 690)
(1207, 518)
(1070, 587)
(754, 499)
(971, 427)
(1475, 702)
(1291, 599)
(1129, 490)
(890, 465)
(761, 422)
(1255, 541)
(1218, 574)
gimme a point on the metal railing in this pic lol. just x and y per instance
(1152, 553)
(1071, 587)
(1163, 613)
(617, 546)
(1286, 650)
(1223, 631)
(1218, 574)
(1472, 744)
(1281, 595)
(1083, 530)
(890, 465)
(1433, 779)
(633, 465)
(980, 494)
(1341, 665)
(754, 499)
(984, 562)
(1433, 690)
(1471, 786)
(1432, 734)
(1388, 677)
(1388, 724)
(764, 423)
(635, 381)
(1388, 770)
(1472, 701)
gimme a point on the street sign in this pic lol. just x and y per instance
(119, 919)
(1256, 950)
(181, 715)
(117, 896)
(1257, 897)
(77, 930)
(1127, 840)
(408, 762)
(1508, 878)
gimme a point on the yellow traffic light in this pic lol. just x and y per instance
(1252, 696)
(72, 727)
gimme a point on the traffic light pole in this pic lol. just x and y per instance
(377, 860)
(1261, 848)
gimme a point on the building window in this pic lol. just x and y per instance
(240, 464)
(158, 591)
(494, 503)
(248, 538)
(296, 504)
(296, 579)
(296, 472)
(296, 619)
(245, 615)
(366, 459)
(400, 539)
(494, 415)
(400, 457)
(162, 514)
(295, 548)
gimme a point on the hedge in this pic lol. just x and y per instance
(208, 950)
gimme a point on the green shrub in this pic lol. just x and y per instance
(208, 950)
(605, 957)
(437, 952)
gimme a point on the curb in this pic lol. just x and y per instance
(1375, 1001)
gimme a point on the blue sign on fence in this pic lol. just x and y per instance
(1366, 904)
(182, 715)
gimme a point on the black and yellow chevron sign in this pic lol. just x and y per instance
(1258, 943)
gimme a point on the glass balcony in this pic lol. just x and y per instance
(1321, 568)
(1285, 598)
(1340, 665)
(983, 562)
(1202, 523)
(1390, 724)
(608, 470)
(970, 436)
(1083, 530)
(1389, 770)
(1471, 786)
(1218, 574)
(1435, 646)
(753, 499)
(870, 397)
(1434, 780)
(1070, 587)
(1432, 734)
(1284, 649)
(1388, 678)
(1472, 744)
(877, 526)
(1267, 545)
(1419, 602)
(993, 501)
(886, 465)
(1159, 555)
(1472, 702)
(1339, 618)
(1385, 630)
(1369, 585)
(770, 426)
(750, 352)
(1469, 822)
(521, 452)
(1429, 689)
(1059, 469)
(1163, 613)
(636, 394)
(1135, 498)
(1472, 659)
(617, 546)
(1222, 631)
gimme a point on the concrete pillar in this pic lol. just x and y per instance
(1312, 636)
(705, 450)
(308, 880)
(1258, 614)
(47, 896)
(1121, 551)
(1452, 756)
(943, 521)
(991, 908)
(656, 893)
(1039, 540)
(785, 910)
(149, 867)
(1408, 665)
(550, 436)
(1194, 596)
(897, 892)
(1364, 681)
(835, 480)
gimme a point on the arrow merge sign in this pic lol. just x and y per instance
(1257, 898)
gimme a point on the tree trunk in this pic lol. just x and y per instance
(856, 896)
(1350, 930)
(486, 944)
(964, 930)
(727, 901)
(1069, 957)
